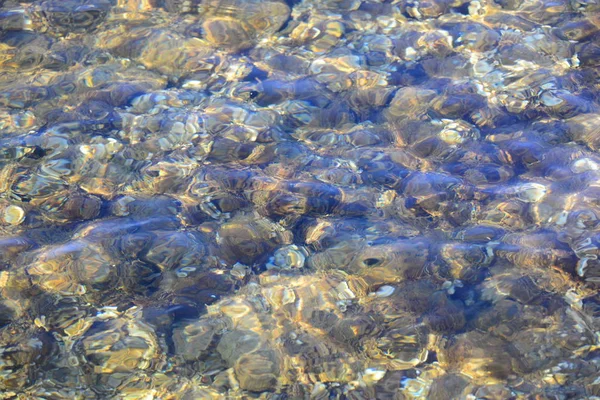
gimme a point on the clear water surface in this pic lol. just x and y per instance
(316, 199)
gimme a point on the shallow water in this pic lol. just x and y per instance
(316, 199)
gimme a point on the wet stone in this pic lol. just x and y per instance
(194, 340)
(247, 240)
(257, 371)
(452, 385)
(234, 344)
(116, 348)
(74, 15)
(14, 215)
(21, 353)
(226, 32)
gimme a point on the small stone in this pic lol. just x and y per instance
(14, 215)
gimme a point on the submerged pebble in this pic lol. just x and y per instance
(14, 215)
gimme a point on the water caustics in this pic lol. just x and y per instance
(303, 199)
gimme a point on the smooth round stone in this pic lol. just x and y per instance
(228, 33)
(14, 215)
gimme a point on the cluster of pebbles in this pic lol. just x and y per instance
(311, 199)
